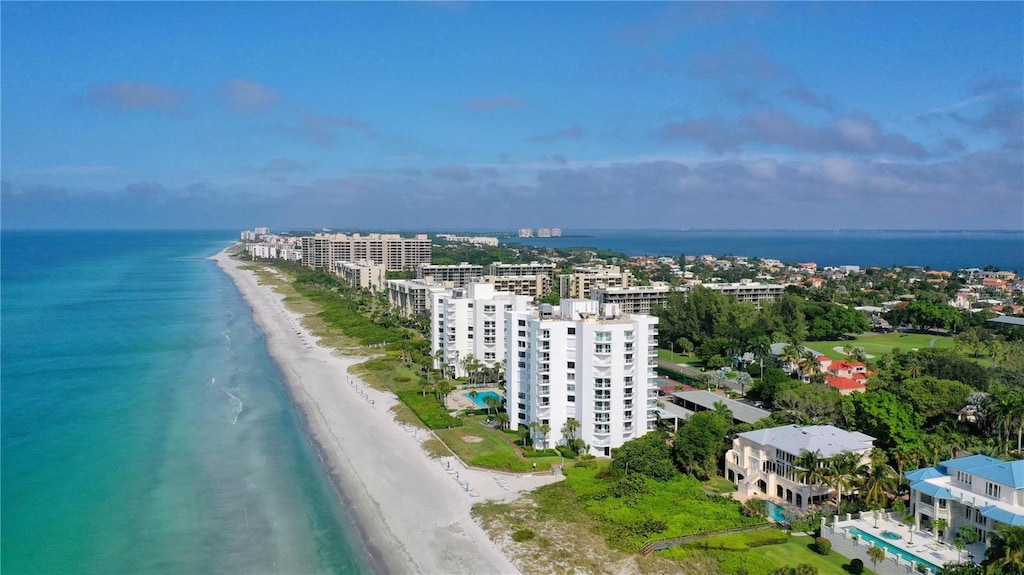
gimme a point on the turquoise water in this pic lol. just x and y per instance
(480, 399)
(144, 427)
(775, 512)
(892, 549)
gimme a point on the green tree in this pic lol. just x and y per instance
(932, 397)
(1005, 555)
(964, 537)
(939, 528)
(877, 480)
(810, 469)
(877, 555)
(699, 444)
(840, 473)
(648, 455)
(882, 415)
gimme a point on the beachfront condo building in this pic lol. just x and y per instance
(534, 287)
(452, 276)
(761, 462)
(749, 291)
(633, 299)
(361, 274)
(468, 325)
(533, 279)
(393, 251)
(412, 297)
(977, 491)
(584, 362)
(578, 284)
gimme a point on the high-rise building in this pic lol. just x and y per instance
(392, 251)
(469, 323)
(584, 362)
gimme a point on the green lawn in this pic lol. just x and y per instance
(484, 446)
(720, 485)
(881, 344)
(666, 355)
(757, 553)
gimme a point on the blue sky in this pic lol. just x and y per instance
(507, 115)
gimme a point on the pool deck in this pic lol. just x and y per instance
(925, 545)
(457, 399)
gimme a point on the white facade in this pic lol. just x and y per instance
(390, 250)
(362, 274)
(470, 322)
(586, 363)
(976, 491)
(749, 291)
(455, 276)
(760, 462)
(412, 297)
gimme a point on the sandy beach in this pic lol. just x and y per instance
(413, 511)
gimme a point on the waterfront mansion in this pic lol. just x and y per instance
(976, 491)
(760, 462)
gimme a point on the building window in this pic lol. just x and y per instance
(570, 365)
(572, 331)
(522, 322)
(602, 348)
(992, 489)
(545, 334)
(571, 399)
(570, 376)
(603, 336)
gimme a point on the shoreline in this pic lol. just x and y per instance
(411, 514)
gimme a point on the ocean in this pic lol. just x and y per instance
(144, 427)
(940, 250)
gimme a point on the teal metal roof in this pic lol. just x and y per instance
(936, 491)
(1009, 473)
(923, 473)
(1003, 515)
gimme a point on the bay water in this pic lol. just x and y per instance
(941, 250)
(144, 427)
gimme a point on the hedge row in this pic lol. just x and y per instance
(428, 409)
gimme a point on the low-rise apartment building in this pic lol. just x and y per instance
(362, 274)
(977, 491)
(412, 297)
(761, 462)
(469, 323)
(584, 362)
(748, 291)
(578, 284)
(633, 299)
(453, 276)
(534, 287)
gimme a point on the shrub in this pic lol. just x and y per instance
(856, 567)
(521, 535)
(566, 452)
(822, 545)
(428, 409)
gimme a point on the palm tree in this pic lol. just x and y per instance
(569, 433)
(939, 526)
(964, 537)
(809, 470)
(877, 555)
(877, 480)
(545, 429)
(1006, 553)
(840, 472)
(791, 354)
(761, 347)
(502, 418)
(909, 519)
(492, 403)
(808, 364)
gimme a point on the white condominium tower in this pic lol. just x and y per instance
(585, 362)
(469, 323)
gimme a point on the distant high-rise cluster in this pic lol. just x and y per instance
(541, 232)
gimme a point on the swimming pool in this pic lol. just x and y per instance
(480, 399)
(892, 549)
(775, 512)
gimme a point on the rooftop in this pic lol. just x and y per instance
(826, 440)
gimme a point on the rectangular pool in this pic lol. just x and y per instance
(892, 549)
(480, 399)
